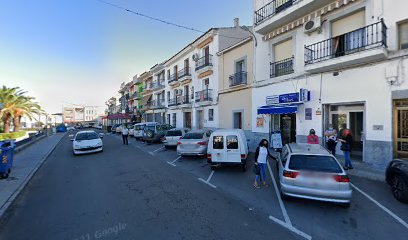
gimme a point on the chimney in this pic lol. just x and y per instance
(236, 22)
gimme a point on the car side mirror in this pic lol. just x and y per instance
(101, 135)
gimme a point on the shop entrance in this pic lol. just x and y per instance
(286, 124)
(400, 122)
(200, 119)
(187, 120)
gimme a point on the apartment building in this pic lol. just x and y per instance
(146, 105)
(235, 83)
(192, 78)
(340, 62)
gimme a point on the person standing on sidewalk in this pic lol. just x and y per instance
(261, 155)
(331, 139)
(125, 134)
(346, 140)
(312, 138)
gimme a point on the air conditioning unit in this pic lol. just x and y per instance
(196, 57)
(312, 25)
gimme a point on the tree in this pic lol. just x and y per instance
(14, 106)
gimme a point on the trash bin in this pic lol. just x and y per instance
(6, 157)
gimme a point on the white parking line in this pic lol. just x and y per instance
(381, 206)
(287, 224)
(208, 180)
(175, 160)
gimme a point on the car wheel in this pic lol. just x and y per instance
(283, 196)
(399, 188)
(149, 134)
(243, 167)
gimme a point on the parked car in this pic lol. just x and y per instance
(396, 176)
(139, 130)
(70, 128)
(99, 126)
(310, 171)
(113, 129)
(61, 128)
(228, 146)
(173, 136)
(87, 142)
(154, 132)
(194, 143)
(131, 130)
(119, 128)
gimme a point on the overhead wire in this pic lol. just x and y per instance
(160, 20)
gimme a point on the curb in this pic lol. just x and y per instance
(17, 192)
(24, 146)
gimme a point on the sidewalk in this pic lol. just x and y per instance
(25, 164)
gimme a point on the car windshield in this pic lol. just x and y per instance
(173, 133)
(86, 136)
(314, 163)
(150, 127)
(139, 127)
(196, 135)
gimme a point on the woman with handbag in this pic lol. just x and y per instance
(261, 155)
(346, 140)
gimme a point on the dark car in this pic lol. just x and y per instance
(154, 132)
(113, 129)
(396, 176)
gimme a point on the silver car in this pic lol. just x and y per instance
(173, 136)
(194, 143)
(311, 172)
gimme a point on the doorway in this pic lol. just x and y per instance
(187, 120)
(200, 119)
(237, 116)
(288, 128)
(400, 123)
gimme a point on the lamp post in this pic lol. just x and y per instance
(245, 28)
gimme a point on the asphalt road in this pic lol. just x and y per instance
(147, 192)
(126, 193)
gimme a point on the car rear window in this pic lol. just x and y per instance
(218, 142)
(193, 136)
(139, 127)
(314, 163)
(86, 136)
(232, 142)
(174, 133)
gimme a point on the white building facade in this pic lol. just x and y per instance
(338, 62)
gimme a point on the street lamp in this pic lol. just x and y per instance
(245, 28)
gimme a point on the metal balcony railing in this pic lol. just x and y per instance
(204, 95)
(281, 68)
(204, 61)
(184, 72)
(173, 78)
(362, 39)
(238, 79)
(272, 8)
(172, 102)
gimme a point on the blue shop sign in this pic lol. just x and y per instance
(302, 96)
(289, 98)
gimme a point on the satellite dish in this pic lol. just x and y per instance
(195, 57)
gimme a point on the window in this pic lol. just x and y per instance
(218, 142)
(240, 66)
(168, 74)
(232, 142)
(192, 92)
(193, 135)
(168, 119)
(174, 119)
(314, 163)
(403, 35)
(210, 114)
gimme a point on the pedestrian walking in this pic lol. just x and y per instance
(125, 134)
(331, 139)
(346, 140)
(261, 155)
(312, 138)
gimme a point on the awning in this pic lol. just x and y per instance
(146, 99)
(278, 109)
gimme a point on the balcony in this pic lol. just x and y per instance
(239, 78)
(173, 80)
(172, 102)
(148, 87)
(184, 75)
(134, 95)
(204, 64)
(204, 96)
(272, 8)
(158, 84)
(156, 104)
(183, 100)
(281, 68)
(360, 46)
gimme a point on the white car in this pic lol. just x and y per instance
(131, 130)
(87, 142)
(119, 129)
(69, 128)
(99, 126)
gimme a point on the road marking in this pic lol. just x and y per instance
(381, 206)
(172, 163)
(290, 228)
(208, 180)
(158, 149)
(287, 224)
(282, 206)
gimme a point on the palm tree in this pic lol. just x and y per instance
(14, 106)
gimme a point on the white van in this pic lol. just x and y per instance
(227, 146)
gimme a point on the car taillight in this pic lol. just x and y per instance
(290, 174)
(181, 138)
(164, 139)
(209, 156)
(202, 143)
(341, 178)
(243, 156)
(178, 143)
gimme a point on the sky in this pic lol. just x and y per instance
(66, 52)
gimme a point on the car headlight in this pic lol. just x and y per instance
(76, 146)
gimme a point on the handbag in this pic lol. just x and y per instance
(256, 169)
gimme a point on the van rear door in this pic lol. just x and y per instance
(218, 151)
(233, 153)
